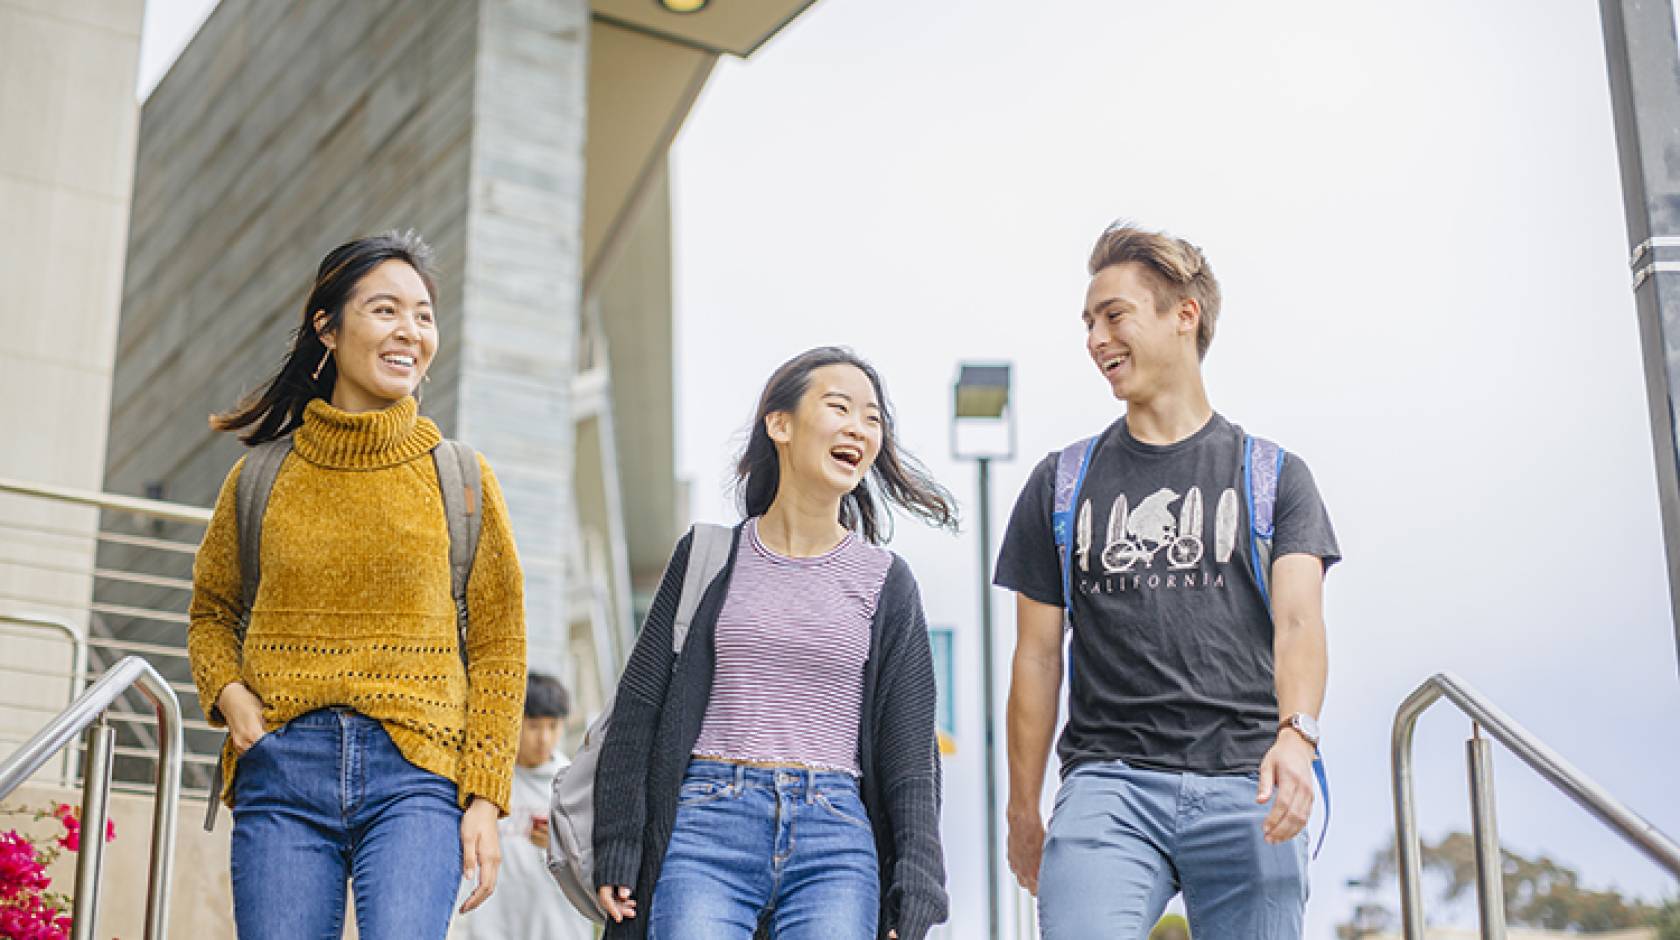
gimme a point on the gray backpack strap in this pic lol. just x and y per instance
(708, 551)
(250, 504)
(462, 485)
(251, 492)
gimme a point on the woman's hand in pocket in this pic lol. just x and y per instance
(242, 711)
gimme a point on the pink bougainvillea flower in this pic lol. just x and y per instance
(20, 871)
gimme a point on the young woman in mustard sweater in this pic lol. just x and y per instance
(363, 745)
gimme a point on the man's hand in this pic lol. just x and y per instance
(481, 850)
(1287, 772)
(1026, 847)
(242, 711)
(616, 902)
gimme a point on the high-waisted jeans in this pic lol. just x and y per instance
(328, 798)
(792, 846)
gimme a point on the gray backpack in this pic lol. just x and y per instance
(460, 484)
(571, 814)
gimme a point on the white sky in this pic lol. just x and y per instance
(1415, 214)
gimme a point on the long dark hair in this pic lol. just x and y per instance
(277, 408)
(896, 475)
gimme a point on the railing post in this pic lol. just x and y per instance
(1484, 829)
(171, 745)
(96, 792)
(1407, 849)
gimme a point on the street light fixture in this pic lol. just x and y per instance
(983, 430)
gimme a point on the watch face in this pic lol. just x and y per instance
(1307, 725)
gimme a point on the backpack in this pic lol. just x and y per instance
(571, 816)
(459, 482)
(1262, 467)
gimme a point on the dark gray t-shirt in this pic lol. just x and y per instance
(1171, 661)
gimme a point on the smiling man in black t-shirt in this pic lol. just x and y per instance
(1197, 656)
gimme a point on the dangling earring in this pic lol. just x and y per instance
(316, 375)
(426, 378)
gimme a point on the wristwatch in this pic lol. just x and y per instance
(1302, 724)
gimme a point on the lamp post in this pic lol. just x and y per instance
(983, 430)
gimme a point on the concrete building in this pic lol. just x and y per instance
(68, 121)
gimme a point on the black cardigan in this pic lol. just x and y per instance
(657, 717)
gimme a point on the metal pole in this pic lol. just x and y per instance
(1484, 829)
(986, 691)
(1639, 46)
(1407, 852)
(171, 746)
(96, 791)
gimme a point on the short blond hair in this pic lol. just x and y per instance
(1178, 268)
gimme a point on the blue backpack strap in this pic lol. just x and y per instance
(1262, 466)
(1323, 787)
(1071, 465)
(1262, 469)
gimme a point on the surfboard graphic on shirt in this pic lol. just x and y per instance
(1115, 554)
(1084, 536)
(1225, 527)
(1185, 550)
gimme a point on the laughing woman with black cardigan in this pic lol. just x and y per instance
(782, 776)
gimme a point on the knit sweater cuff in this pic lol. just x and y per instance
(916, 916)
(211, 682)
(481, 783)
(617, 863)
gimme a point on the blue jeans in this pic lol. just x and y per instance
(1123, 841)
(328, 798)
(792, 846)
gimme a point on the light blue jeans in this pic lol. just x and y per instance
(1123, 841)
(792, 846)
(327, 798)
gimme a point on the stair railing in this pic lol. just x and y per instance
(1484, 716)
(86, 715)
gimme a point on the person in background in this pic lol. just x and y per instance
(526, 905)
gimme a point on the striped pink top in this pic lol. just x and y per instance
(792, 640)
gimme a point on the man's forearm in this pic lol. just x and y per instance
(1301, 665)
(1033, 693)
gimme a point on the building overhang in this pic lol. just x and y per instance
(721, 27)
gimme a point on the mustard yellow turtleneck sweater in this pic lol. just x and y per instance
(354, 606)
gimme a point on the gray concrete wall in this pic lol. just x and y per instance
(635, 298)
(67, 136)
(523, 283)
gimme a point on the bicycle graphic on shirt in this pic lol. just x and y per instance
(1138, 535)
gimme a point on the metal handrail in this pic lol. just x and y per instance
(1543, 760)
(78, 660)
(157, 509)
(87, 714)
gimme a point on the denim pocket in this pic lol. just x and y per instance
(258, 743)
(696, 792)
(846, 806)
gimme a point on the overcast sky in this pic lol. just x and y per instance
(1414, 212)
